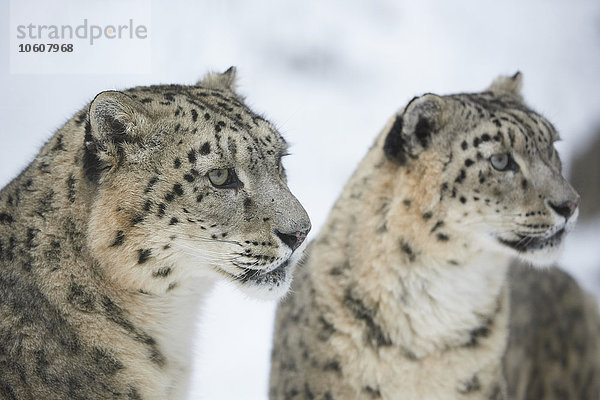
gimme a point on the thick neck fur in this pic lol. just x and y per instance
(46, 250)
(416, 284)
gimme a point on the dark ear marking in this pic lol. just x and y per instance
(92, 165)
(395, 147)
(423, 131)
(413, 131)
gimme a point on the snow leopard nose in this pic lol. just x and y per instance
(565, 209)
(293, 240)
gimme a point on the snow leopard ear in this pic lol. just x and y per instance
(414, 129)
(215, 80)
(113, 129)
(508, 85)
(115, 118)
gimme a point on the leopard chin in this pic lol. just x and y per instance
(538, 251)
(271, 284)
(266, 285)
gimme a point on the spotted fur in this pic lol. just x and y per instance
(554, 338)
(404, 294)
(110, 238)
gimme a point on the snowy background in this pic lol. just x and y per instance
(329, 74)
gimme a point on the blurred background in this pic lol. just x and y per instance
(329, 74)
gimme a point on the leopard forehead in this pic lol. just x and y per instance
(210, 120)
(505, 120)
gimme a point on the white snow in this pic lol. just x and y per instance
(329, 74)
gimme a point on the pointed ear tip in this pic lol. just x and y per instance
(216, 80)
(230, 75)
(508, 84)
(517, 78)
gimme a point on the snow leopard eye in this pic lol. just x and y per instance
(503, 162)
(223, 178)
(499, 161)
